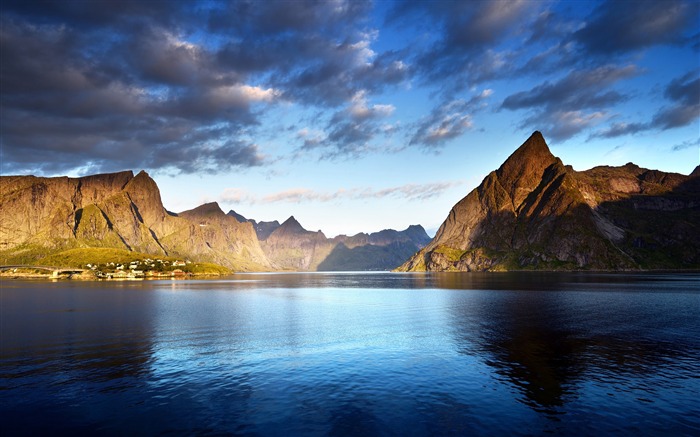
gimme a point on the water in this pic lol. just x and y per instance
(353, 354)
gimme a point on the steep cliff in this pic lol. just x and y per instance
(291, 247)
(119, 210)
(536, 213)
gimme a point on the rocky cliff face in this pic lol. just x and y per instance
(291, 247)
(216, 236)
(536, 213)
(119, 210)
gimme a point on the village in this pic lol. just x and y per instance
(145, 268)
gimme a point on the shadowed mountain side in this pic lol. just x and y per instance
(262, 229)
(291, 247)
(536, 213)
(367, 257)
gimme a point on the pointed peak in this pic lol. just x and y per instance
(536, 144)
(291, 224)
(238, 217)
(206, 209)
(695, 173)
(522, 171)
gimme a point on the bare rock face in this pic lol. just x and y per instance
(118, 210)
(291, 247)
(215, 236)
(535, 213)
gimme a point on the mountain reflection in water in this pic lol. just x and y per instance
(354, 353)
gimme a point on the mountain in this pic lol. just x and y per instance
(382, 250)
(536, 213)
(291, 247)
(262, 229)
(117, 210)
(47, 216)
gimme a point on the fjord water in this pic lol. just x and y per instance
(354, 354)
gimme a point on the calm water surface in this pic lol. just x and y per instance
(353, 354)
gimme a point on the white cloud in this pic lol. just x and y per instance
(305, 195)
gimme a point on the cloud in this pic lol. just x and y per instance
(349, 131)
(562, 125)
(577, 90)
(620, 129)
(686, 145)
(684, 94)
(462, 41)
(305, 195)
(448, 121)
(574, 103)
(144, 83)
(637, 25)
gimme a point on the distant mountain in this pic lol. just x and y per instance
(262, 229)
(41, 216)
(382, 250)
(45, 216)
(536, 213)
(292, 247)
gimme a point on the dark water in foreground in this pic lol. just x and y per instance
(354, 354)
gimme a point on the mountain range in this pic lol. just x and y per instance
(532, 213)
(535, 213)
(44, 216)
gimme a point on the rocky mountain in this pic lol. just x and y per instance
(291, 247)
(44, 216)
(118, 210)
(536, 213)
(262, 229)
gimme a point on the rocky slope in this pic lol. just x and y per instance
(44, 216)
(291, 247)
(536, 213)
(119, 210)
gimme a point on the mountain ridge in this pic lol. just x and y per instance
(124, 211)
(534, 212)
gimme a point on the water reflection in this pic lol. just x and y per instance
(349, 354)
(551, 346)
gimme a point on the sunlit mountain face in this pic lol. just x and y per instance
(345, 114)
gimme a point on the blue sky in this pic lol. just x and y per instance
(352, 116)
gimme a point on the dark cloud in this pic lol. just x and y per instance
(465, 47)
(577, 90)
(686, 145)
(447, 121)
(572, 104)
(619, 129)
(684, 94)
(618, 26)
(122, 74)
(350, 131)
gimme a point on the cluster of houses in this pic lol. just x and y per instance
(139, 269)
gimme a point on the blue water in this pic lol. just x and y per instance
(353, 354)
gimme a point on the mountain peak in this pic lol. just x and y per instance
(696, 172)
(292, 223)
(522, 171)
(237, 216)
(211, 208)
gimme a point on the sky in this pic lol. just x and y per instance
(352, 116)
